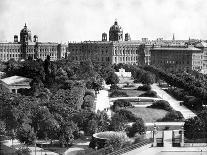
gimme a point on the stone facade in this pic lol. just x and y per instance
(177, 58)
(113, 51)
(27, 47)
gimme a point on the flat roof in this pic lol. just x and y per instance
(175, 49)
(15, 79)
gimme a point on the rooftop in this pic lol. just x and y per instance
(176, 49)
(15, 79)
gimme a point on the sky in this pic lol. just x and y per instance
(80, 20)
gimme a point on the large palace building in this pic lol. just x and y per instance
(117, 50)
(30, 47)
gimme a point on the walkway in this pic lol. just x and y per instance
(102, 101)
(134, 98)
(38, 150)
(187, 113)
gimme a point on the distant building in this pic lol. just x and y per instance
(13, 83)
(177, 58)
(203, 47)
(113, 51)
(30, 47)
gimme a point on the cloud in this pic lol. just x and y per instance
(75, 20)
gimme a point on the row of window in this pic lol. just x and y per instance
(123, 52)
(126, 58)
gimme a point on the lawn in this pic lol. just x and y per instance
(132, 92)
(148, 114)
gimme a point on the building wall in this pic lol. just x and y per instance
(105, 52)
(176, 60)
(40, 50)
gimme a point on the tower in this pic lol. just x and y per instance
(16, 38)
(115, 32)
(173, 37)
(25, 38)
(104, 36)
(127, 37)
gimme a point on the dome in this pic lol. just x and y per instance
(25, 34)
(115, 27)
(25, 29)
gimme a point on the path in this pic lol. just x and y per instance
(38, 150)
(102, 101)
(187, 113)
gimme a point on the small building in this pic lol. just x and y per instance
(123, 74)
(13, 83)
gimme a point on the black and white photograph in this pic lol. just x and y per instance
(103, 77)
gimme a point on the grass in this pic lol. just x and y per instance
(148, 114)
(132, 92)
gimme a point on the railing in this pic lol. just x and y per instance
(132, 147)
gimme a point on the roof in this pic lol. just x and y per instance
(175, 49)
(15, 80)
(201, 44)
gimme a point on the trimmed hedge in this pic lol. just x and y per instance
(144, 88)
(119, 104)
(172, 116)
(117, 93)
(149, 94)
(161, 105)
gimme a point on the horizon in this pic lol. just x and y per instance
(67, 20)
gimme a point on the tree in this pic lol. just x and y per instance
(137, 127)
(112, 79)
(118, 122)
(25, 134)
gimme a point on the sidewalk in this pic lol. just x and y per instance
(38, 150)
(102, 101)
(187, 113)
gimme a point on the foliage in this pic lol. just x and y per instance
(118, 93)
(119, 104)
(88, 102)
(137, 127)
(150, 93)
(144, 88)
(25, 134)
(23, 151)
(172, 116)
(114, 87)
(161, 104)
(196, 127)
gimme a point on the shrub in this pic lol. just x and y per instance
(172, 116)
(114, 87)
(89, 92)
(161, 105)
(137, 127)
(120, 103)
(127, 115)
(117, 93)
(149, 94)
(144, 88)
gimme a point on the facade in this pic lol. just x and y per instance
(177, 58)
(26, 47)
(113, 51)
(203, 47)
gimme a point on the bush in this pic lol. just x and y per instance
(114, 87)
(137, 127)
(172, 116)
(89, 92)
(120, 103)
(161, 105)
(127, 115)
(144, 88)
(149, 94)
(117, 93)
